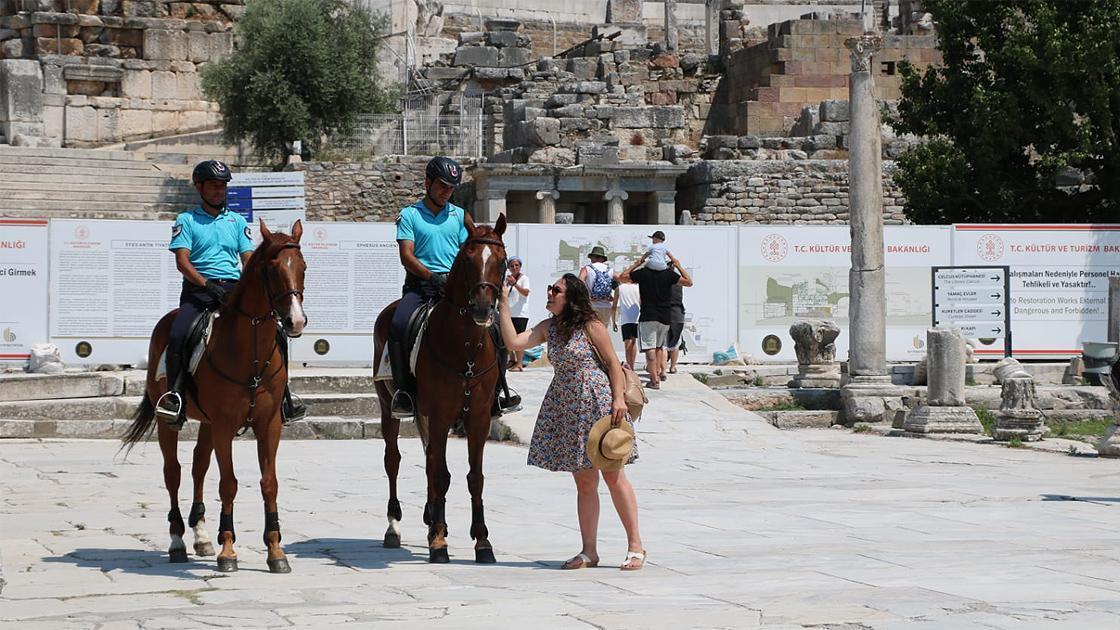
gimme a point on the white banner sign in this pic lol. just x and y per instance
(550, 251)
(275, 198)
(110, 282)
(787, 273)
(1059, 282)
(23, 283)
(353, 272)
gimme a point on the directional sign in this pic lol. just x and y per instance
(975, 300)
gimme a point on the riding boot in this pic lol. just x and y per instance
(505, 401)
(171, 408)
(292, 407)
(403, 405)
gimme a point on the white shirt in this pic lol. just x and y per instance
(519, 304)
(629, 303)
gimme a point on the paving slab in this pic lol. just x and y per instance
(747, 526)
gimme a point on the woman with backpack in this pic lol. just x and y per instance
(601, 284)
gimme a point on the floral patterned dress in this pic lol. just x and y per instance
(580, 394)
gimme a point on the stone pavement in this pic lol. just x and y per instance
(746, 526)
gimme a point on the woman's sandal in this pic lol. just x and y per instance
(580, 561)
(632, 556)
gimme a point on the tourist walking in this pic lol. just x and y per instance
(676, 326)
(654, 317)
(629, 304)
(584, 403)
(517, 290)
(602, 284)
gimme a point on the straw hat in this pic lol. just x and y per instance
(609, 447)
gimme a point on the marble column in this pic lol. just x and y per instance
(670, 25)
(663, 207)
(616, 208)
(944, 410)
(491, 204)
(869, 395)
(546, 206)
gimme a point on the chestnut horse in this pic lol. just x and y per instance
(238, 384)
(456, 375)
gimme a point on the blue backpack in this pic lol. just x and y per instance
(601, 285)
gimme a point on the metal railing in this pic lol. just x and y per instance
(413, 134)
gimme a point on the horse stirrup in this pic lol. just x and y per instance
(169, 408)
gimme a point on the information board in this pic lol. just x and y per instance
(550, 251)
(110, 283)
(976, 300)
(276, 198)
(1058, 281)
(353, 272)
(23, 283)
(787, 273)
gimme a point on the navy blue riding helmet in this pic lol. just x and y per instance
(211, 169)
(445, 170)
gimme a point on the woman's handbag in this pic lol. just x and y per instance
(632, 391)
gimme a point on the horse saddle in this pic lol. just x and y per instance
(417, 324)
(195, 344)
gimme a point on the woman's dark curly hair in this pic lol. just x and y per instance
(577, 308)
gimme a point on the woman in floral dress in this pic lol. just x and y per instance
(580, 393)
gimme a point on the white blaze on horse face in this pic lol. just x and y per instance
(299, 320)
(485, 256)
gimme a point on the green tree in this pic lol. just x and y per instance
(1027, 89)
(303, 69)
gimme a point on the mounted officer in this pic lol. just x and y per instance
(429, 235)
(209, 242)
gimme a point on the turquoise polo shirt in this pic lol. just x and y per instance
(216, 243)
(436, 237)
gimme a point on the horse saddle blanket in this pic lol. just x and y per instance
(195, 346)
(417, 325)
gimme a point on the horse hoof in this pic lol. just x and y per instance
(392, 541)
(438, 556)
(203, 549)
(279, 565)
(484, 556)
(227, 565)
(178, 555)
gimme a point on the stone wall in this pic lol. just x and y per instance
(813, 192)
(364, 191)
(113, 71)
(802, 63)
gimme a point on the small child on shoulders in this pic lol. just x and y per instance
(657, 256)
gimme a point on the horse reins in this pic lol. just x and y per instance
(255, 381)
(469, 376)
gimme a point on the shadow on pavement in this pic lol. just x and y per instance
(1068, 497)
(365, 553)
(148, 562)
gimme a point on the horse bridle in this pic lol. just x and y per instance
(272, 297)
(483, 284)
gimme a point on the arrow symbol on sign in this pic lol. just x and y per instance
(998, 330)
(996, 278)
(997, 313)
(997, 295)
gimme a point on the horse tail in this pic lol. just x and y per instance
(141, 424)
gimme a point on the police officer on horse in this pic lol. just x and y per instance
(429, 235)
(209, 242)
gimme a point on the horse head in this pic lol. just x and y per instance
(479, 272)
(283, 277)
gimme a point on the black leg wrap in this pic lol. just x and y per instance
(175, 516)
(395, 509)
(427, 514)
(271, 524)
(436, 513)
(198, 510)
(478, 522)
(225, 524)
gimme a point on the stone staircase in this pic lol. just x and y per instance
(88, 183)
(178, 154)
(341, 405)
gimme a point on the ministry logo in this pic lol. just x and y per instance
(774, 247)
(990, 247)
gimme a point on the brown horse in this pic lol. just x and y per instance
(238, 384)
(456, 373)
